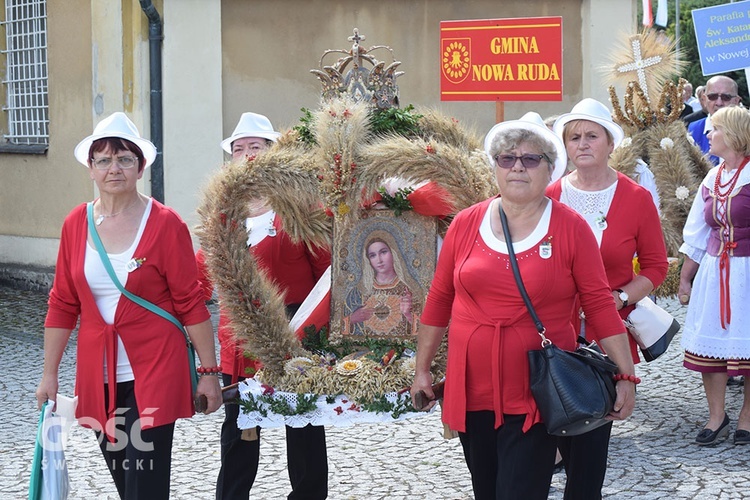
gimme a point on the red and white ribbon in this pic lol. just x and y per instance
(316, 308)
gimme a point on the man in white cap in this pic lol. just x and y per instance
(295, 270)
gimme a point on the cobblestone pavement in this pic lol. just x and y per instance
(651, 454)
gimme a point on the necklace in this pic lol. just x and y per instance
(101, 217)
(722, 190)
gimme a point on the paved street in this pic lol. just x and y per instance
(651, 455)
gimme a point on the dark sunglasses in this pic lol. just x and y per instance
(724, 97)
(527, 160)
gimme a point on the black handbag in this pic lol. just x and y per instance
(574, 391)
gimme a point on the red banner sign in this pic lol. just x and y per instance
(501, 59)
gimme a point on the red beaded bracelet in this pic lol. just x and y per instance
(214, 370)
(629, 378)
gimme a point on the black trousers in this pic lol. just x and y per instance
(239, 458)
(140, 461)
(585, 459)
(506, 463)
(307, 459)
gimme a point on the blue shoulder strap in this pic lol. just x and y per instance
(138, 300)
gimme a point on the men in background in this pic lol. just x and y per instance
(687, 99)
(700, 112)
(721, 91)
(690, 100)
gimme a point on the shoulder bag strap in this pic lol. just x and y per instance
(108, 266)
(517, 273)
(138, 300)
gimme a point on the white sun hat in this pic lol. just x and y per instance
(251, 125)
(115, 125)
(533, 122)
(593, 111)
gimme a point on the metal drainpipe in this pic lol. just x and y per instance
(155, 37)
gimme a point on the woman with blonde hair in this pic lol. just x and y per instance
(715, 276)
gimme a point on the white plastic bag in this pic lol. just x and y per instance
(49, 475)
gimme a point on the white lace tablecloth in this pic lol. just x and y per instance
(341, 412)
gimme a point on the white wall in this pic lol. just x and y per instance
(192, 99)
(603, 22)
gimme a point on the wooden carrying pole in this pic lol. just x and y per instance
(499, 111)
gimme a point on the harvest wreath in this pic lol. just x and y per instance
(319, 178)
(649, 115)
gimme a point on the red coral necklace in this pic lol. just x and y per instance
(722, 190)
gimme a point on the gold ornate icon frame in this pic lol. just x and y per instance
(412, 240)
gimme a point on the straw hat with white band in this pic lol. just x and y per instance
(251, 125)
(533, 122)
(115, 125)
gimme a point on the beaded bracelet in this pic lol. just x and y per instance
(629, 378)
(214, 370)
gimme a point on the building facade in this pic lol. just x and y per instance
(218, 59)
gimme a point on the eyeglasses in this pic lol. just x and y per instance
(527, 160)
(124, 162)
(724, 97)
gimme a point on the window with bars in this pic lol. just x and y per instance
(24, 82)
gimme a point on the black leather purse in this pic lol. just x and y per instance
(573, 390)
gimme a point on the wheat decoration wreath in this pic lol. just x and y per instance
(652, 101)
(318, 176)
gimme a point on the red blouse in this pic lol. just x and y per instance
(633, 227)
(490, 329)
(168, 277)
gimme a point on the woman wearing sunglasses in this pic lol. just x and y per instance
(625, 222)
(487, 397)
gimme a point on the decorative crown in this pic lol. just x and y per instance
(645, 62)
(349, 75)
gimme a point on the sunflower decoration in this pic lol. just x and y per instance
(351, 153)
(645, 64)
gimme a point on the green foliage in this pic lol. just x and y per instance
(688, 43)
(316, 341)
(306, 403)
(382, 405)
(398, 202)
(400, 121)
(278, 405)
(252, 405)
(304, 129)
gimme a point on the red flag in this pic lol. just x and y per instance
(648, 17)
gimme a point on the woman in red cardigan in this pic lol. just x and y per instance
(132, 374)
(625, 222)
(487, 396)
